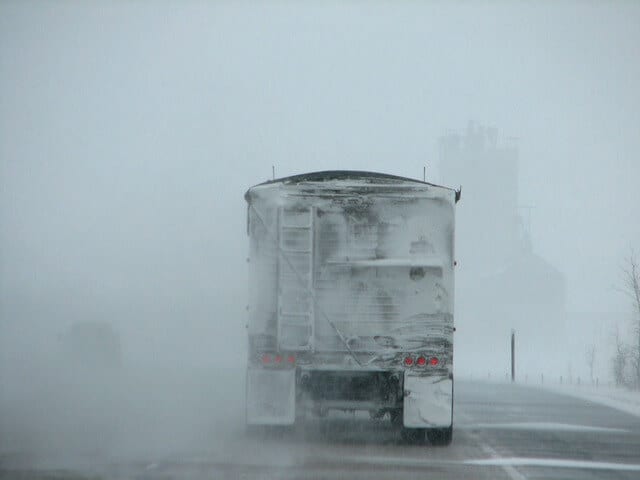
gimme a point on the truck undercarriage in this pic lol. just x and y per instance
(417, 403)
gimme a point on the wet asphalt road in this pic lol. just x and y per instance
(502, 431)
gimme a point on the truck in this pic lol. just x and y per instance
(351, 296)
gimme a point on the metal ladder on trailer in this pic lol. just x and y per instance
(296, 314)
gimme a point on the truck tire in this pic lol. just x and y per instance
(413, 436)
(440, 436)
(376, 414)
(396, 417)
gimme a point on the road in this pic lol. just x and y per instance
(502, 431)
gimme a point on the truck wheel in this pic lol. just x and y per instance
(376, 414)
(396, 417)
(413, 436)
(440, 436)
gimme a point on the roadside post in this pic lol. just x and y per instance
(513, 355)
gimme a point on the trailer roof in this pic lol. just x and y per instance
(328, 175)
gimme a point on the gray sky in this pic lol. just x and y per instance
(129, 133)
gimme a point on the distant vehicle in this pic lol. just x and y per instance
(351, 300)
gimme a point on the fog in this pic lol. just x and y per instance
(129, 133)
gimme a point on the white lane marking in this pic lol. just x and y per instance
(510, 470)
(390, 461)
(507, 464)
(542, 426)
(552, 462)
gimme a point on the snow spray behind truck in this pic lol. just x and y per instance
(351, 286)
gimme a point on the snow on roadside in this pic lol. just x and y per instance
(621, 399)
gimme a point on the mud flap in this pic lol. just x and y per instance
(427, 401)
(271, 397)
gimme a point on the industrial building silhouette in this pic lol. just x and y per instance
(501, 283)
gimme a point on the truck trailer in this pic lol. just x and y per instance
(351, 295)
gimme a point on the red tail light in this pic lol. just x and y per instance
(278, 359)
(408, 361)
(266, 358)
(291, 359)
(421, 362)
(434, 361)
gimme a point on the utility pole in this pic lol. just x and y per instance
(513, 355)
